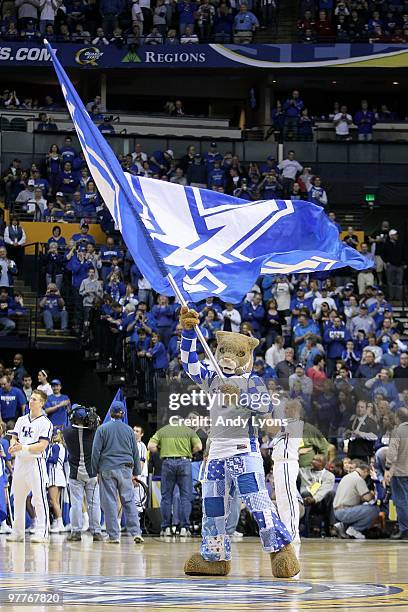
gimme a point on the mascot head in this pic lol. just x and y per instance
(235, 352)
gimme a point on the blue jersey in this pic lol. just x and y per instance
(11, 403)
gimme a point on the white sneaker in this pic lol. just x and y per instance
(353, 533)
(13, 537)
(185, 533)
(237, 534)
(32, 528)
(57, 526)
(85, 522)
(5, 528)
(138, 539)
(37, 539)
(166, 532)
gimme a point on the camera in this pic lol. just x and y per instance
(83, 416)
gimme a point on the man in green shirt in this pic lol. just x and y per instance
(176, 444)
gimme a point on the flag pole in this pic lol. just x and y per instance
(200, 336)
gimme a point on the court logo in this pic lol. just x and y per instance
(224, 594)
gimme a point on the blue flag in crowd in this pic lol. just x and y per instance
(213, 244)
(119, 397)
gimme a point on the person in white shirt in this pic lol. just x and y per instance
(231, 318)
(44, 385)
(342, 122)
(318, 301)
(189, 36)
(275, 353)
(285, 456)
(281, 291)
(48, 10)
(30, 439)
(141, 447)
(289, 168)
(138, 156)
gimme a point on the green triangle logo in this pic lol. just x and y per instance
(131, 57)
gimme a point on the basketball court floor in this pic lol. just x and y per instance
(336, 574)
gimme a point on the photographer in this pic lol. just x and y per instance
(115, 458)
(79, 437)
(54, 309)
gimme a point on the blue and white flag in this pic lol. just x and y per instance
(212, 244)
(119, 397)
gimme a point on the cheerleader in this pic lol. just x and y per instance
(44, 385)
(57, 479)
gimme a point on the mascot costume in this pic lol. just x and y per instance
(234, 460)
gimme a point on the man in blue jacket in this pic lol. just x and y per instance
(115, 458)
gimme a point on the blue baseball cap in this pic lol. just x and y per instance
(56, 381)
(117, 406)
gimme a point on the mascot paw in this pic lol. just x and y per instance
(230, 394)
(197, 566)
(285, 563)
(188, 318)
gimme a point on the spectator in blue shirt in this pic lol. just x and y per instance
(335, 338)
(317, 194)
(57, 405)
(12, 400)
(378, 309)
(114, 286)
(245, 21)
(223, 22)
(107, 252)
(163, 312)
(67, 152)
(7, 325)
(174, 344)
(84, 237)
(270, 187)
(158, 354)
(106, 126)
(304, 329)
(305, 125)
(391, 358)
(67, 180)
(293, 108)
(216, 176)
(160, 161)
(382, 384)
(351, 357)
(53, 307)
(297, 303)
(186, 10)
(254, 313)
(364, 120)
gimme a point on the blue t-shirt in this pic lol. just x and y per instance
(60, 416)
(11, 403)
(299, 331)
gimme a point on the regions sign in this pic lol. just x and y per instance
(91, 57)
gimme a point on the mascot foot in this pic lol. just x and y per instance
(285, 563)
(197, 566)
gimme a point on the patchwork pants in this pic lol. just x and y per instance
(223, 477)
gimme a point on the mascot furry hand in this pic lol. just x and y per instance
(234, 356)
